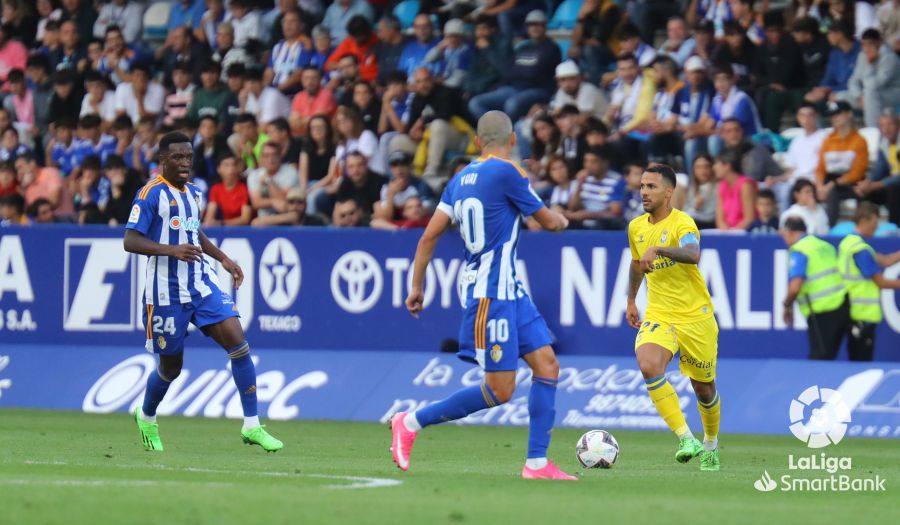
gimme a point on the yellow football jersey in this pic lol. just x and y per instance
(676, 291)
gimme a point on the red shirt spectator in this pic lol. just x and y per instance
(229, 201)
(368, 64)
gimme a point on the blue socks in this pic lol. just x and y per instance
(156, 391)
(244, 374)
(459, 405)
(542, 413)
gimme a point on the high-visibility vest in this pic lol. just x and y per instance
(865, 296)
(823, 289)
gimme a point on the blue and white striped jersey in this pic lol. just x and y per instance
(167, 215)
(486, 199)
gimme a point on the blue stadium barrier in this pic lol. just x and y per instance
(566, 15)
(598, 392)
(321, 288)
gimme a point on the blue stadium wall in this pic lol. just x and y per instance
(324, 312)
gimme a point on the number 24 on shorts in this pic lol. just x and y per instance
(163, 325)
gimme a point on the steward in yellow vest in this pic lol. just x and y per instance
(861, 268)
(815, 283)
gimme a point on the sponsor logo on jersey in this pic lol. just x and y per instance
(191, 224)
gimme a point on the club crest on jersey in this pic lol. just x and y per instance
(641, 237)
(190, 224)
(161, 342)
(664, 236)
(496, 353)
(172, 203)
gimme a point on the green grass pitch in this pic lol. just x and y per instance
(71, 468)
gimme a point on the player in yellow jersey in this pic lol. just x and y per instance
(665, 246)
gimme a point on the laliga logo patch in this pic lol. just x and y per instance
(135, 213)
(496, 353)
(161, 342)
(827, 422)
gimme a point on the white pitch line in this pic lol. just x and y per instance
(357, 482)
(109, 482)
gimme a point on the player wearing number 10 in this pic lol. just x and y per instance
(182, 288)
(487, 200)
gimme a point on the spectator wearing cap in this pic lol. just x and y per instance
(289, 56)
(293, 215)
(360, 44)
(66, 100)
(245, 20)
(739, 52)
(678, 43)
(779, 73)
(226, 53)
(177, 102)
(814, 49)
(182, 48)
(883, 186)
(389, 47)
(140, 96)
(124, 14)
(843, 160)
(729, 101)
(491, 57)
(401, 187)
(185, 13)
(43, 183)
(875, 82)
(339, 14)
(212, 98)
(99, 99)
(451, 58)
(511, 13)
(229, 200)
(415, 51)
(529, 80)
(841, 60)
(12, 53)
(572, 89)
(261, 99)
(82, 13)
(313, 100)
(596, 202)
(269, 184)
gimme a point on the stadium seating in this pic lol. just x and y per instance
(155, 19)
(406, 11)
(873, 137)
(566, 15)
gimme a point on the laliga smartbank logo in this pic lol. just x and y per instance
(819, 418)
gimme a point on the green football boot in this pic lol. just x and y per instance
(259, 436)
(688, 449)
(149, 432)
(709, 460)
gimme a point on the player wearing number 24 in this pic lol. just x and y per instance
(487, 200)
(182, 288)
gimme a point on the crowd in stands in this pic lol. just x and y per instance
(356, 113)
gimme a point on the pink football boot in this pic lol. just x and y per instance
(402, 440)
(550, 471)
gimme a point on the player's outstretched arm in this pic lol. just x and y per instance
(137, 243)
(237, 275)
(438, 224)
(551, 220)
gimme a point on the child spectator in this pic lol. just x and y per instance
(10, 148)
(766, 213)
(9, 182)
(229, 200)
(12, 211)
(805, 206)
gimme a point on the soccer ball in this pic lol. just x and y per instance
(597, 449)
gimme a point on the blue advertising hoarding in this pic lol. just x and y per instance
(313, 288)
(594, 391)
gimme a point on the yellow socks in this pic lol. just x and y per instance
(665, 399)
(710, 414)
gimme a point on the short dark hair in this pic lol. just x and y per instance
(628, 31)
(254, 73)
(731, 158)
(8, 166)
(122, 122)
(843, 27)
(39, 60)
(36, 204)
(358, 26)
(91, 162)
(733, 120)
(794, 224)
(395, 77)
(487, 20)
(665, 171)
(245, 118)
(865, 210)
(766, 193)
(16, 75)
(281, 123)
(114, 162)
(595, 125)
(598, 151)
(627, 57)
(723, 68)
(773, 20)
(391, 21)
(173, 137)
(227, 154)
(235, 70)
(808, 105)
(806, 24)
(16, 200)
(89, 122)
(872, 35)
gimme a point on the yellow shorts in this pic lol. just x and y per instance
(698, 343)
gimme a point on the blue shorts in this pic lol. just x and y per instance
(495, 333)
(167, 326)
